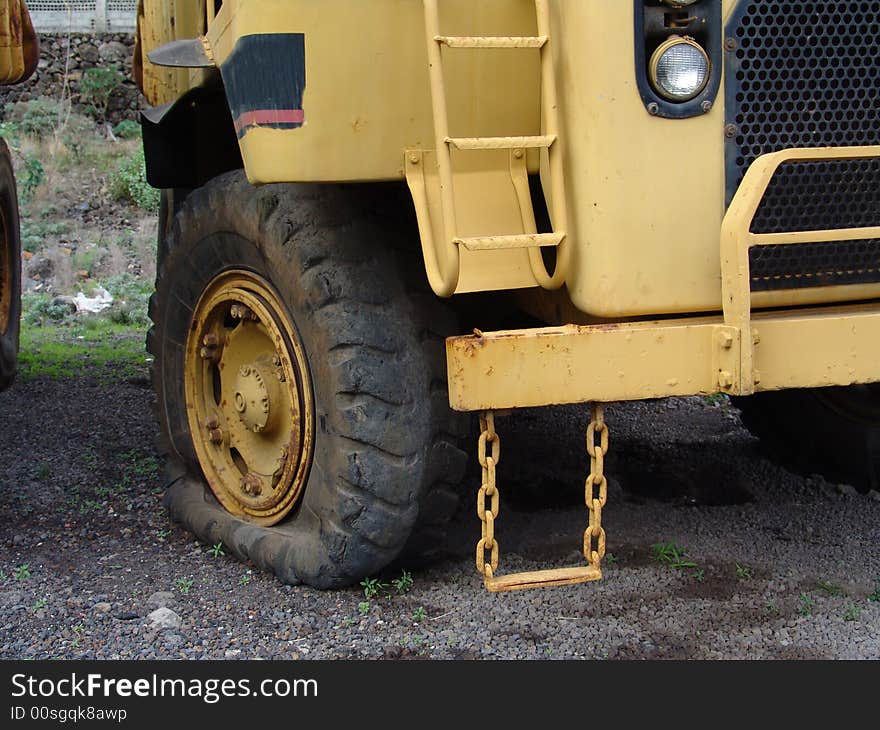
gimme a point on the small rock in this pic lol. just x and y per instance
(39, 267)
(847, 490)
(164, 618)
(17, 540)
(172, 640)
(160, 599)
(65, 302)
(102, 607)
(231, 653)
(874, 494)
(88, 53)
(10, 598)
(113, 51)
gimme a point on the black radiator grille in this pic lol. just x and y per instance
(807, 74)
(807, 265)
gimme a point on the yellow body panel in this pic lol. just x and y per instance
(367, 97)
(645, 196)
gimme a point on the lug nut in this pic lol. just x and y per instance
(212, 423)
(216, 436)
(252, 484)
(240, 311)
(210, 340)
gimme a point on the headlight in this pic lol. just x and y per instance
(679, 69)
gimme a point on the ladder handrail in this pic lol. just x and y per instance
(550, 125)
(447, 279)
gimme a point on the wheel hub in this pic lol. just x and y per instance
(257, 397)
(249, 399)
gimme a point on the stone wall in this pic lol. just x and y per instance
(86, 51)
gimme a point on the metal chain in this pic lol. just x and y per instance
(597, 447)
(595, 491)
(488, 490)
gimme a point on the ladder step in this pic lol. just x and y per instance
(501, 243)
(543, 579)
(501, 143)
(492, 41)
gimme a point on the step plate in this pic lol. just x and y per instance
(543, 579)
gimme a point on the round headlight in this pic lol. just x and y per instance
(679, 69)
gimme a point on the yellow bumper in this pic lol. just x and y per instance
(737, 352)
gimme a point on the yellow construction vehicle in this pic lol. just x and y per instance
(19, 55)
(381, 215)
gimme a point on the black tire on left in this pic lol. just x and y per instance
(10, 270)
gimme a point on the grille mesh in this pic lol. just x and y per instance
(808, 265)
(807, 74)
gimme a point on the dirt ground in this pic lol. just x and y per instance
(715, 552)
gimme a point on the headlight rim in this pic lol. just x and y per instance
(653, 64)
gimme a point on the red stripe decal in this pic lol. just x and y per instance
(269, 116)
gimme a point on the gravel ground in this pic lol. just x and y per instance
(784, 567)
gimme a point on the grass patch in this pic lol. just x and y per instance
(91, 346)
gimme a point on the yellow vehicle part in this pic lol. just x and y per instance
(249, 398)
(737, 353)
(19, 46)
(489, 506)
(160, 22)
(635, 230)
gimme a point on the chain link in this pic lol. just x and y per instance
(596, 487)
(488, 490)
(595, 491)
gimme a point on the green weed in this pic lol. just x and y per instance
(829, 588)
(127, 129)
(853, 612)
(373, 587)
(807, 605)
(419, 614)
(364, 608)
(217, 550)
(22, 572)
(128, 182)
(184, 585)
(96, 87)
(743, 572)
(672, 555)
(404, 583)
(32, 177)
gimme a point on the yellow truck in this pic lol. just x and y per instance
(19, 55)
(380, 216)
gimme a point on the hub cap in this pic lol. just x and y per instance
(249, 398)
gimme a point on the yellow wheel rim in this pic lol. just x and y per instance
(249, 398)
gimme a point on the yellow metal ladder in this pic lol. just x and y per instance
(548, 140)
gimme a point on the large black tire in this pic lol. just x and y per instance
(10, 270)
(834, 432)
(386, 458)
